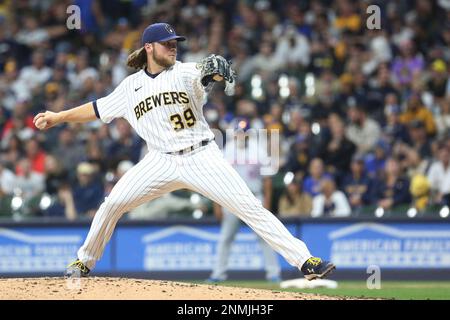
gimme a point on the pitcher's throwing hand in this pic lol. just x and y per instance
(45, 120)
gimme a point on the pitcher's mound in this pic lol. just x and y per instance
(134, 289)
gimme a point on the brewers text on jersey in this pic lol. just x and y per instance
(162, 98)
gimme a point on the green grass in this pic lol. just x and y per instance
(402, 290)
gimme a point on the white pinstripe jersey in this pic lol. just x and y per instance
(166, 111)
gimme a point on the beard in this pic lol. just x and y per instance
(164, 61)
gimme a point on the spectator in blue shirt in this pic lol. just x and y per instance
(317, 172)
(91, 15)
(418, 138)
(89, 192)
(357, 184)
(393, 129)
(375, 161)
(392, 188)
(299, 156)
(337, 150)
(62, 205)
(127, 146)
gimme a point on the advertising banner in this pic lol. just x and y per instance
(185, 248)
(160, 248)
(388, 245)
(43, 249)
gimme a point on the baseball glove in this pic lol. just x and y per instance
(215, 65)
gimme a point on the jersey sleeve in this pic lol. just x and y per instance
(191, 77)
(113, 105)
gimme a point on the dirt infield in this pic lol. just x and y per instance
(99, 288)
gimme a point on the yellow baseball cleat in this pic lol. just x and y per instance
(316, 268)
(77, 269)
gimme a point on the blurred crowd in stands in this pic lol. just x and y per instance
(364, 115)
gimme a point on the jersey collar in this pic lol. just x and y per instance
(152, 75)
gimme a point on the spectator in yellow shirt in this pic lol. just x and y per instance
(417, 111)
(294, 202)
(347, 18)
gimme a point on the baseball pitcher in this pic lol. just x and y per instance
(163, 102)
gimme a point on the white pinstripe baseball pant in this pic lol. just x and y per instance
(205, 171)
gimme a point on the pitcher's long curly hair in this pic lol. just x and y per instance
(137, 59)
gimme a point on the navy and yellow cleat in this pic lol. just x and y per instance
(316, 268)
(77, 269)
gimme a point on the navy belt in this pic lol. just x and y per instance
(191, 148)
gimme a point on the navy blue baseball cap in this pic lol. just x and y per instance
(159, 32)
